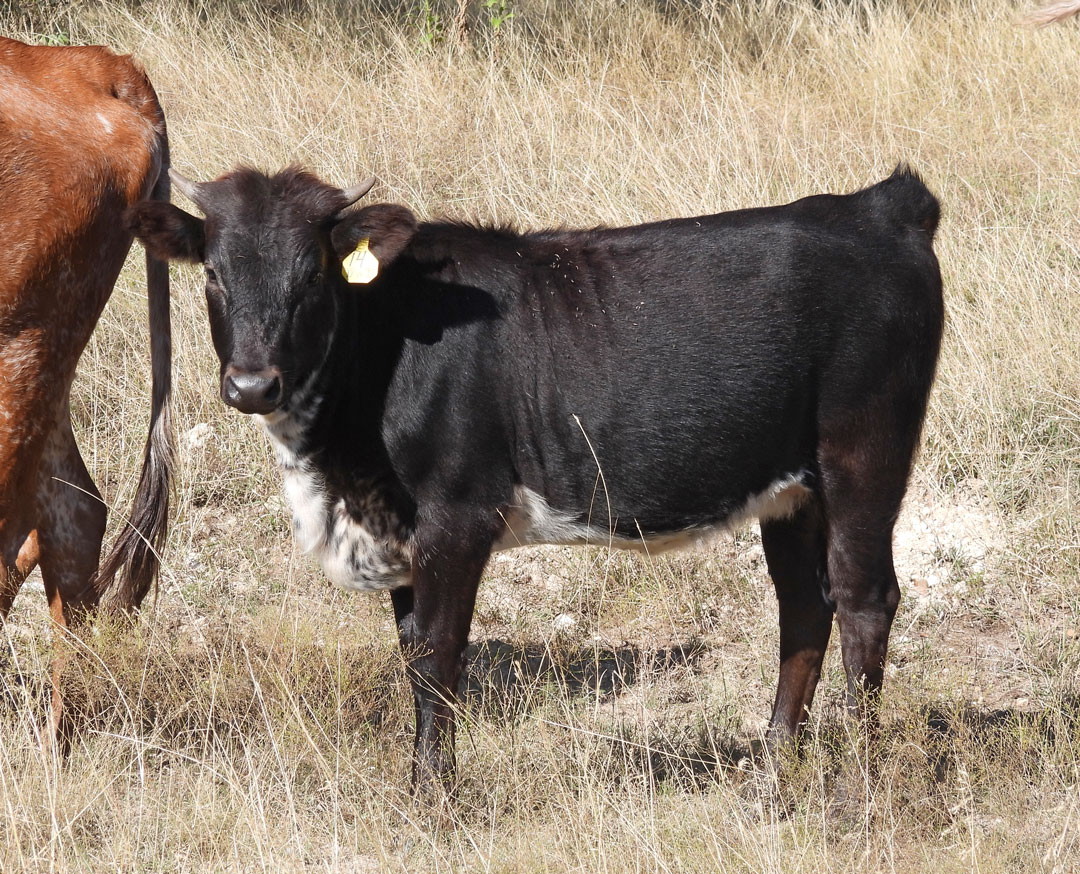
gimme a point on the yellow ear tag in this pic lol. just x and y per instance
(360, 266)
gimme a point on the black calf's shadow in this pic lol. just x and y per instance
(506, 678)
(1019, 739)
(506, 681)
(510, 681)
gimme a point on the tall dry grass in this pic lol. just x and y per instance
(257, 720)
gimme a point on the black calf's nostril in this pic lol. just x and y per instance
(230, 391)
(258, 392)
(273, 391)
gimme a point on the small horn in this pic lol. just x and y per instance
(191, 190)
(353, 194)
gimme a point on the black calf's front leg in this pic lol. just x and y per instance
(446, 572)
(402, 601)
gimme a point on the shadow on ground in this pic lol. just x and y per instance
(509, 677)
(507, 681)
(692, 748)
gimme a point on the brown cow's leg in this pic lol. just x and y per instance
(70, 535)
(28, 392)
(29, 553)
(795, 551)
(446, 574)
(10, 583)
(11, 580)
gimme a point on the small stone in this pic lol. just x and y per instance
(921, 586)
(564, 622)
(198, 436)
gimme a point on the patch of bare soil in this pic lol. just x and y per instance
(941, 540)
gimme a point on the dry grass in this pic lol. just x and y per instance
(258, 720)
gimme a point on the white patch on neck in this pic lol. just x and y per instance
(531, 520)
(367, 550)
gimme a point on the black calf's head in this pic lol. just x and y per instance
(276, 250)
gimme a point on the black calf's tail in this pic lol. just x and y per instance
(904, 199)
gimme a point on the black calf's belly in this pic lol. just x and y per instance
(531, 520)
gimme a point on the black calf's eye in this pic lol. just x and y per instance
(211, 276)
(315, 277)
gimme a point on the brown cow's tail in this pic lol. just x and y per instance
(135, 556)
(1054, 12)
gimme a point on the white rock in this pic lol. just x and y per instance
(198, 436)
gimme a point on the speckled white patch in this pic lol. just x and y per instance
(367, 549)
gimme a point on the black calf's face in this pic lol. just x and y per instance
(273, 249)
(270, 295)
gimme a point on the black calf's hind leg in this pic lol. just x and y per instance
(863, 487)
(446, 573)
(862, 508)
(867, 595)
(795, 552)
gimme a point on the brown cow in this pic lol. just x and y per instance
(82, 137)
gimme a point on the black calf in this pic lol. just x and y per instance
(474, 389)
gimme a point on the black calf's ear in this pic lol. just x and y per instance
(387, 230)
(167, 231)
